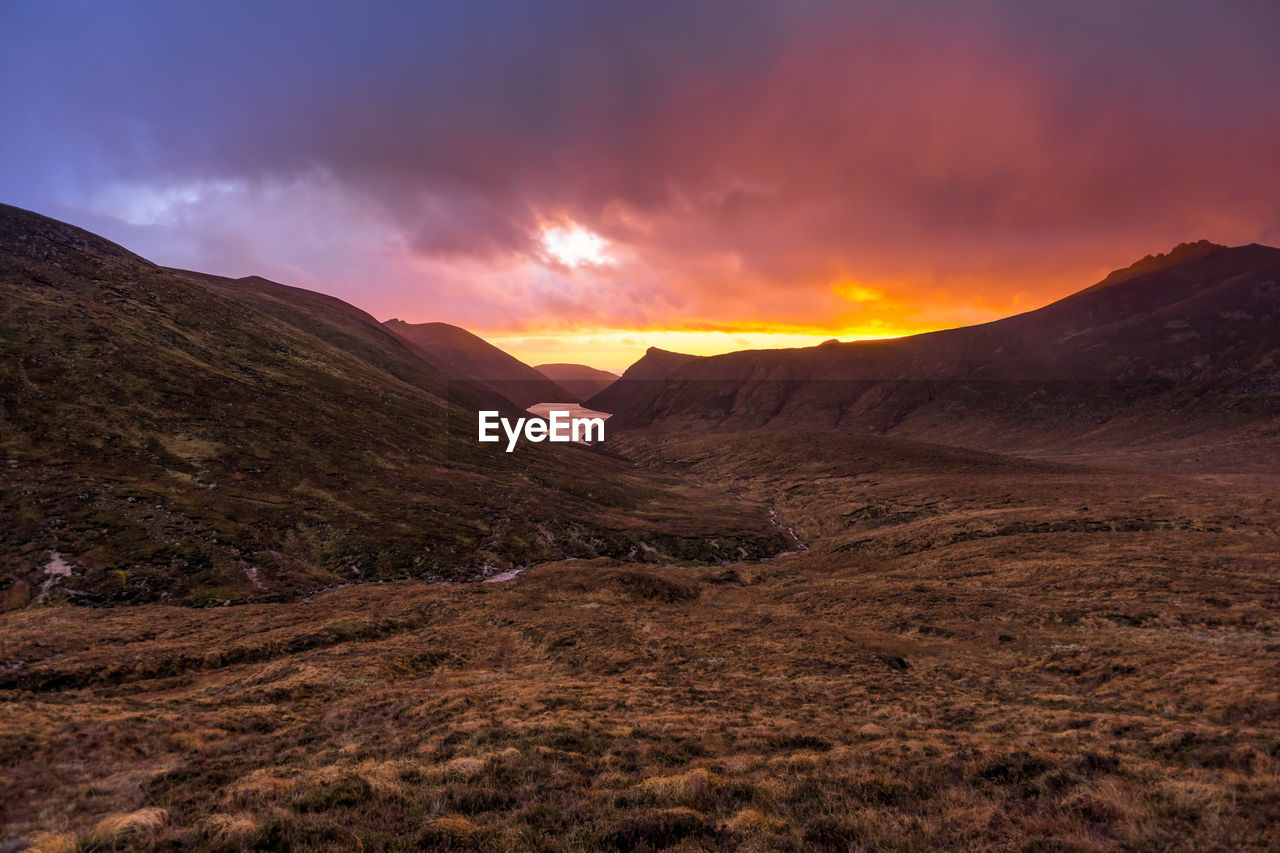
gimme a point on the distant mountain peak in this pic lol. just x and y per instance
(1191, 331)
(467, 357)
(581, 380)
(575, 368)
(1182, 253)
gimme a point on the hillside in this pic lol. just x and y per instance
(478, 364)
(973, 653)
(1173, 347)
(578, 379)
(355, 332)
(956, 649)
(640, 381)
(333, 321)
(167, 440)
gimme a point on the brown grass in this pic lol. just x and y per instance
(973, 653)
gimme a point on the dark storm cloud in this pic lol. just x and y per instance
(733, 147)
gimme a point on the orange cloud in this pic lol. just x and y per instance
(791, 171)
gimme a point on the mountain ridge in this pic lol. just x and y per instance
(1192, 333)
(180, 440)
(478, 364)
(581, 380)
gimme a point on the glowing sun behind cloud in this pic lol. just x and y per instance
(574, 246)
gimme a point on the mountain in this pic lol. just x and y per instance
(578, 379)
(355, 332)
(172, 436)
(333, 321)
(471, 360)
(642, 378)
(1166, 349)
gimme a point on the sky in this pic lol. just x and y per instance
(577, 181)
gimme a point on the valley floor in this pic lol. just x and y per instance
(974, 652)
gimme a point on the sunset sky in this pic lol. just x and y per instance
(576, 181)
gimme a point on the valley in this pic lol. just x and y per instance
(245, 525)
(631, 427)
(974, 651)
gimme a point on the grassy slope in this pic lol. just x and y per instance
(171, 442)
(474, 361)
(974, 652)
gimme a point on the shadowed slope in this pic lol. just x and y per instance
(355, 332)
(1173, 347)
(474, 361)
(165, 441)
(639, 382)
(578, 379)
(333, 321)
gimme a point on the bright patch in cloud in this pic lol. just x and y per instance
(146, 204)
(574, 246)
(854, 292)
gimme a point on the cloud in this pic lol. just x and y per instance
(744, 161)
